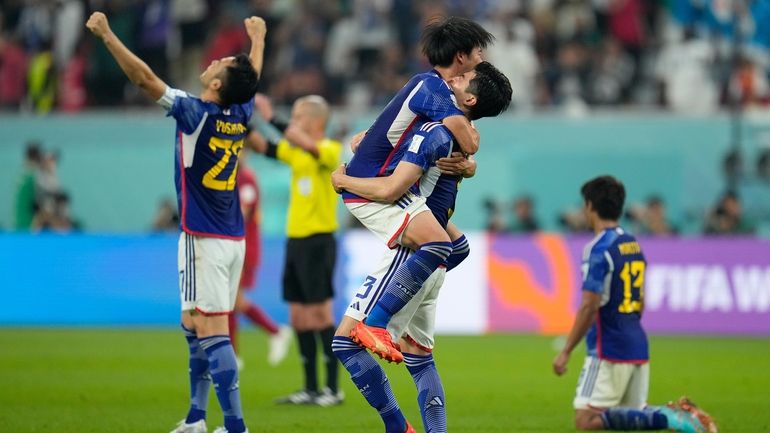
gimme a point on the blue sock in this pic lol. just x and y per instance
(460, 251)
(224, 373)
(622, 418)
(430, 391)
(407, 281)
(371, 380)
(200, 379)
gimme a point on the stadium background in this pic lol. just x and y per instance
(63, 288)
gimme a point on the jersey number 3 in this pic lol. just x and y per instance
(231, 148)
(632, 275)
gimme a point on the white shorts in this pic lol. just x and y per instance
(388, 221)
(417, 319)
(605, 384)
(209, 273)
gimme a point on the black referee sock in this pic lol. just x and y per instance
(327, 335)
(307, 351)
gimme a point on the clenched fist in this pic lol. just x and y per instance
(255, 28)
(98, 24)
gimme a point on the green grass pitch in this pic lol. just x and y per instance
(134, 381)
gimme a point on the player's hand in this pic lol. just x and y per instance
(356, 140)
(255, 28)
(457, 164)
(98, 24)
(264, 106)
(337, 177)
(560, 363)
(256, 142)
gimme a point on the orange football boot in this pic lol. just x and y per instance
(378, 341)
(687, 405)
(409, 428)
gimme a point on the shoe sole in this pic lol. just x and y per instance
(375, 345)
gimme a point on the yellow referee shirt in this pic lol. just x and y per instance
(312, 201)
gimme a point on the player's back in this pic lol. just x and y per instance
(430, 143)
(614, 265)
(209, 139)
(426, 97)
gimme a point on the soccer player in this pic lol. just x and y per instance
(454, 47)
(210, 134)
(482, 92)
(311, 249)
(612, 389)
(280, 337)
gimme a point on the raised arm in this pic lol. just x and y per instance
(381, 189)
(465, 134)
(256, 29)
(135, 69)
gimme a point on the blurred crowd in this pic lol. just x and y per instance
(649, 218)
(41, 203)
(688, 55)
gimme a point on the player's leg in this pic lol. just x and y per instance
(219, 268)
(365, 372)
(417, 345)
(198, 364)
(432, 246)
(634, 404)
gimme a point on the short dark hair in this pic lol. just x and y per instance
(606, 195)
(443, 38)
(239, 82)
(492, 90)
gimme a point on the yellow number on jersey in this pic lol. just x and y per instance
(632, 275)
(230, 147)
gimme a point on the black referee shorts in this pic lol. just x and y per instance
(308, 273)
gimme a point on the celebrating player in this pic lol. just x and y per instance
(210, 134)
(454, 47)
(612, 390)
(408, 177)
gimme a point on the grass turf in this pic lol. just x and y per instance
(135, 381)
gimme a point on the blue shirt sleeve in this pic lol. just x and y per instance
(421, 151)
(434, 100)
(188, 112)
(248, 109)
(595, 271)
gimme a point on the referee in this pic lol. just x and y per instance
(311, 249)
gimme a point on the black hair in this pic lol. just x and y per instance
(492, 90)
(606, 195)
(33, 153)
(239, 82)
(443, 38)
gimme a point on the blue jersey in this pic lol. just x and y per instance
(613, 267)
(432, 142)
(425, 98)
(208, 141)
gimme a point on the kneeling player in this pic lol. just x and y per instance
(612, 389)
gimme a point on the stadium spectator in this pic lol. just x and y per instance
(727, 217)
(13, 71)
(524, 216)
(166, 217)
(495, 222)
(26, 198)
(54, 215)
(576, 52)
(311, 249)
(280, 337)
